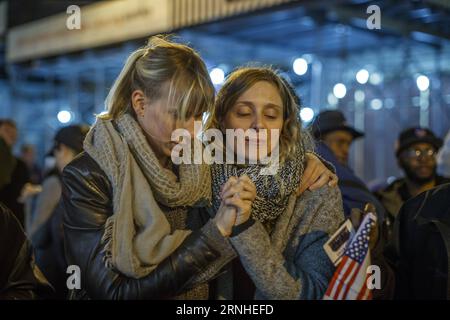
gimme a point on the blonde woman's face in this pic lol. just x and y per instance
(260, 107)
(158, 120)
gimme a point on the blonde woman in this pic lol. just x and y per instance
(281, 251)
(134, 222)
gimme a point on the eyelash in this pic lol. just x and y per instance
(248, 114)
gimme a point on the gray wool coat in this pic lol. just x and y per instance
(288, 262)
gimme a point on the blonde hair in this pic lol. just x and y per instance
(150, 67)
(243, 79)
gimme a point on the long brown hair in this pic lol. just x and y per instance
(243, 79)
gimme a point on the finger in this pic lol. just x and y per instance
(307, 180)
(310, 167)
(248, 186)
(246, 195)
(369, 207)
(224, 187)
(238, 203)
(323, 179)
(245, 177)
(231, 182)
(305, 177)
(301, 188)
(231, 191)
(247, 182)
(333, 180)
(355, 217)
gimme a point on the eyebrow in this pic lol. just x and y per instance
(270, 104)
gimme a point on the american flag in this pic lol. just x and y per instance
(349, 282)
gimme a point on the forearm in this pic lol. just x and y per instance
(170, 278)
(221, 244)
(46, 202)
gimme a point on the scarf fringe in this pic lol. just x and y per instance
(107, 242)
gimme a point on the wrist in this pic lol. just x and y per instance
(226, 232)
(237, 229)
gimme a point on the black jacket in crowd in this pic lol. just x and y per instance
(19, 276)
(87, 199)
(422, 238)
(14, 175)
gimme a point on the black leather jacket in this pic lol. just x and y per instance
(422, 239)
(87, 200)
(20, 278)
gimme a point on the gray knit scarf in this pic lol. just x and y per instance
(138, 235)
(272, 191)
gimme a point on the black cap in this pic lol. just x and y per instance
(411, 136)
(332, 120)
(70, 136)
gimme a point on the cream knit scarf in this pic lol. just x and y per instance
(138, 235)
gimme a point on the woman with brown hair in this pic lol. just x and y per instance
(282, 251)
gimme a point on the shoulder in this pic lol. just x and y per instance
(83, 166)
(432, 204)
(322, 207)
(9, 225)
(86, 193)
(5, 215)
(82, 163)
(390, 188)
(323, 194)
(84, 175)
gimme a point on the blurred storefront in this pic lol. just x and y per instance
(383, 79)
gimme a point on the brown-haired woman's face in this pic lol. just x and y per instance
(259, 107)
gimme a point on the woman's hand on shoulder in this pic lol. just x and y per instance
(316, 175)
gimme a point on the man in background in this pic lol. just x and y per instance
(416, 151)
(334, 137)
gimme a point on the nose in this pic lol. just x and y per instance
(187, 125)
(258, 122)
(345, 150)
(424, 158)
